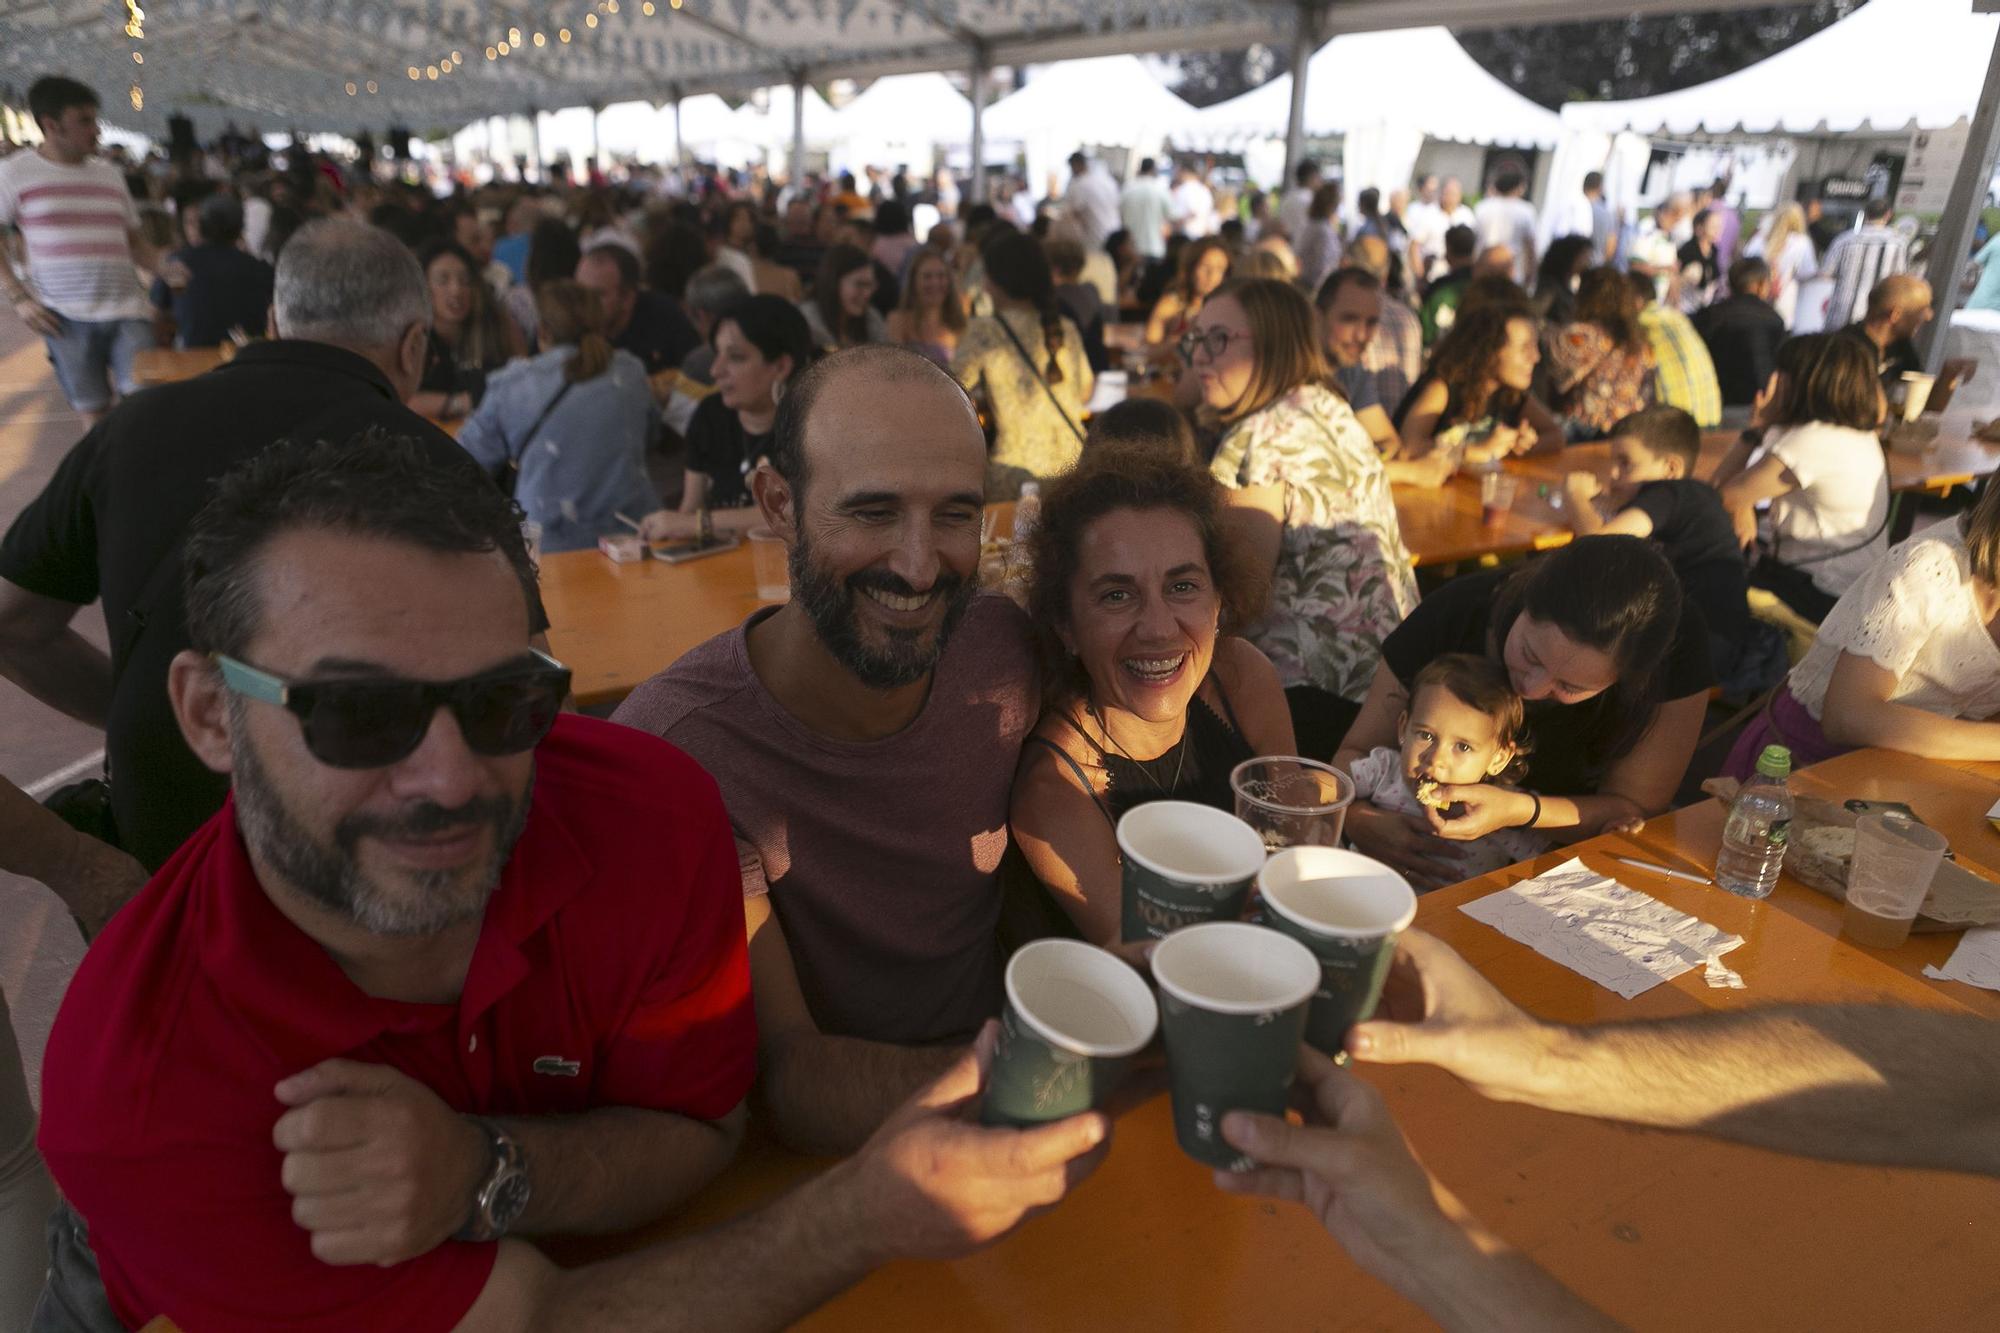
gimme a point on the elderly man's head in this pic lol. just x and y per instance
(1898, 307)
(1497, 260)
(876, 480)
(710, 291)
(357, 287)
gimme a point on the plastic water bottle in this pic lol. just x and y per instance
(1027, 511)
(1753, 839)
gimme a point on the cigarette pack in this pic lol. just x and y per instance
(622, 549)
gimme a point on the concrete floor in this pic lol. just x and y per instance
(39, 749)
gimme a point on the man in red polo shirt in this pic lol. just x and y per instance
(445, 968)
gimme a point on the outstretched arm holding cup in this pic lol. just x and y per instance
(1852, 1083)
(1350, 1165)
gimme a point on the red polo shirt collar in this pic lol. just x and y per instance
(279, 971)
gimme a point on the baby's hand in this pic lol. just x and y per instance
(1628, 825)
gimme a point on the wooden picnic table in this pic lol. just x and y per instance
(1660, 1230)
(170, 365)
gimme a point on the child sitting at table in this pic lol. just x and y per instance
(1653, 494)
(1465, 725)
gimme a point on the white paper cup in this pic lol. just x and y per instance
(1917, 394)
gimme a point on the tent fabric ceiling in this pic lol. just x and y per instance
(287, 63)
(1890, 65)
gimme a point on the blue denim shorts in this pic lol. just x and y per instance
(93, 356)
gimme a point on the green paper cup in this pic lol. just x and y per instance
(1074, 1017)
(1233, 1002)
(1184, 864)
(1348, 910)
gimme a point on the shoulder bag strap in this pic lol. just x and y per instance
(1036, 371)
(510, 471)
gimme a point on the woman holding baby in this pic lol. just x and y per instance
(1612, 669)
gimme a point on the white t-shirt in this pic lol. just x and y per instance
(1378, 779)
(1509, 221)
(1843, 498)
(1912, 613)
(1092, 202)
(1194, 207)
(1145, 209)
(1297, 203)
(75, 227)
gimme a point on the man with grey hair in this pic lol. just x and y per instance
(710, 291)
(352, 312)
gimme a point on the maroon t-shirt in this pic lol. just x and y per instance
(881, 858)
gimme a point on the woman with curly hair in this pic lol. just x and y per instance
(1137, 598)
(1470, 400)
(1599, 365)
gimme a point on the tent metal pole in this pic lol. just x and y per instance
(535, 134)
(597, 136)
(680, 144)
(1306, 40)
(798, 128)
(981, 61)
(1949, 249)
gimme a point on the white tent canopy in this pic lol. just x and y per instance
(1419, 78)
(1890, 65)
(901, 120)
(1109, 100)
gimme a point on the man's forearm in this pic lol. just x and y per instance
(1856, 1083)
(614, 1168)
(67, 672)
(764, 1270)
(826, 1095)
(33, 842)
(1474, 1281)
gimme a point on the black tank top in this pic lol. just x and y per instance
(1214, 746)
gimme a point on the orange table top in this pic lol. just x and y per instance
(168, 365)
(1640, 1222)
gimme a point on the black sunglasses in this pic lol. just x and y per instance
(373, 722)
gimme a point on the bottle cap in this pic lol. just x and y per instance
(1775, 762)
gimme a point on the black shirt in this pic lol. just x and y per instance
(659, 333)
(1083, 304)
(1572, 741)
(110, 524)
(445, 373)
(1694, 532)
(1742, 333)
(226, 289)
(1891, 361)
(720, 449)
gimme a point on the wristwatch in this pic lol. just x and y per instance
(501, 1196)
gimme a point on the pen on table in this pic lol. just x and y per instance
(627, 520)
(1662, 870)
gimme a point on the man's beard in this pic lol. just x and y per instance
(332, 876)
(830, 605)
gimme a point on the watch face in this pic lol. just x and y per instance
(510, 1196)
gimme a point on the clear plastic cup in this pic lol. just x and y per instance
(1292, 802)
(1895, 859)
(769, 558)
(1496, 496)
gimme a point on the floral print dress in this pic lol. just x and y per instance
(1343, 578)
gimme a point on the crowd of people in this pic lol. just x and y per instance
(402, 993)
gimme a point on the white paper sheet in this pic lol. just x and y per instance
(1620, 938)
(1976, 960)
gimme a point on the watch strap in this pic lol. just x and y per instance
(505, 1161)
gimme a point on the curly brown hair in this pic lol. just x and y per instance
(1605, 299)
(1464, 360)
(1118, 476)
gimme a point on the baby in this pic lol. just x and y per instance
(1465, 725)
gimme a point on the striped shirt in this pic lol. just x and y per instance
(1857, 260)
(1683, 371)
(75, 224)
(1397, 353)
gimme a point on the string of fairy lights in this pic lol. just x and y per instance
(135, 28)
(510, 43)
